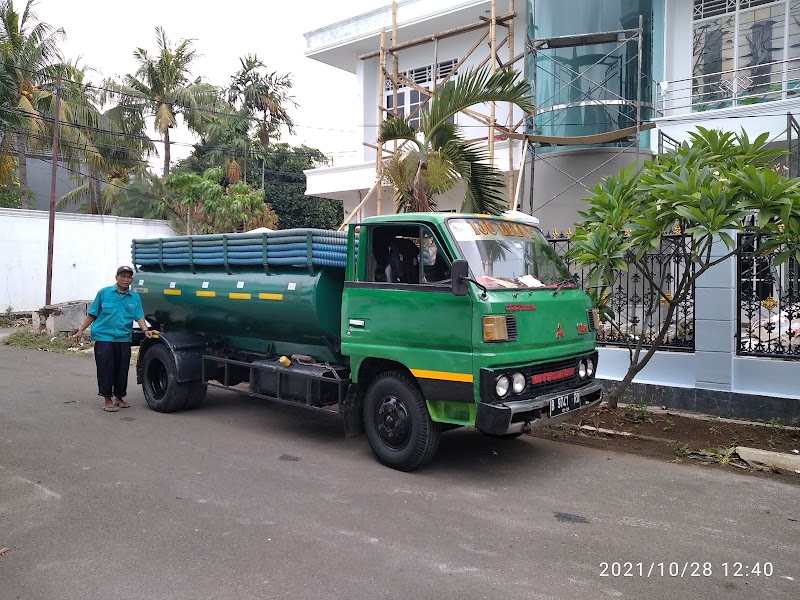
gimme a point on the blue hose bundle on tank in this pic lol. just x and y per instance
(283, 248)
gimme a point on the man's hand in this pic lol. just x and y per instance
(151, 333)
(78, 336)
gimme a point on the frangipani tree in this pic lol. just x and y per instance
(707, 188)
(437, 156)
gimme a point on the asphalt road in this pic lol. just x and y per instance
(250, 500)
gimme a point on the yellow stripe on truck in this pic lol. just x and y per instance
(443, 375)
(206, 294)
(239, 296)
(270, 296)
(172, 292)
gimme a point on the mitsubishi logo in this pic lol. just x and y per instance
(560, 332)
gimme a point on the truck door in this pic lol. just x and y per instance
(401, 307)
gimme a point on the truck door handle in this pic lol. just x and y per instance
(357, 323)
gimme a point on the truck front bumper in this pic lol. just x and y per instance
(521, 415)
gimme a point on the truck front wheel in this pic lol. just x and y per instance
(162, 390)
(398, 426)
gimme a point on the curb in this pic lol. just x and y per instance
(776, 460)
(752, 456)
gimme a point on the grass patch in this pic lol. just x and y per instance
(7, 318)
(40, 341)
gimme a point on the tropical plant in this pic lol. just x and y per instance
(257, 109)
(146, 198)
(29, 56)
(438, 157)
(112, 145)
(708, 188)
(161, 88)
(203, 205)
(285, 189)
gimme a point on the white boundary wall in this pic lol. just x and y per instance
(87, 250)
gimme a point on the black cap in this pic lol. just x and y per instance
(125, 269)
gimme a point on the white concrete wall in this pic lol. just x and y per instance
(87, 250)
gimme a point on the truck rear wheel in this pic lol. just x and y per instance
(162, 390)
(398, 426)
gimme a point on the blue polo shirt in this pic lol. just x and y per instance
(115, 313)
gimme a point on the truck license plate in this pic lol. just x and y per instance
(564, 404)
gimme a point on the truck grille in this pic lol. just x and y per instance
(511, 327)
(594, 318)
(551, 367)
(556, 375)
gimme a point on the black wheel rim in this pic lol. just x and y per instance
(157, 379)
(393, 422)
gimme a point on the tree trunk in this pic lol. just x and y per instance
(166, 152)
(95, 182)
(421, 203)
(22, 148)
(616, 392)
(91, 205)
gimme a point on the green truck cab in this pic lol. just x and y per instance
(413, 324)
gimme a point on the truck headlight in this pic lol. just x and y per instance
(494, 328)
(582, 369)
(590, 367)
(501, 386)
(518, 383)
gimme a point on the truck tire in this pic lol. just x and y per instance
(162, 390)
(398, 426)
(196, 395)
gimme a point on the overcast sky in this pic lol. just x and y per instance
(104, 33)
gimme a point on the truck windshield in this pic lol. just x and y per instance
(509, 254)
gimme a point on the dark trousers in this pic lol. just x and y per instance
(112, 360)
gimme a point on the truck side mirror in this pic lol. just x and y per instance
(459, 273)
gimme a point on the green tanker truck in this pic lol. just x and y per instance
(406, 325)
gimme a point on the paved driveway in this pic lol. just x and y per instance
(249, 500)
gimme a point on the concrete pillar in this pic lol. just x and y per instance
(715, 322)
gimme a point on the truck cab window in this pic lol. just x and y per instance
(406, 254)
(435, 266)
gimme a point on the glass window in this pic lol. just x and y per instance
(410, 99)
(740, 54)
(406, 254)
(713, 54)
(508, 254)
(761, 47)
(435, 265)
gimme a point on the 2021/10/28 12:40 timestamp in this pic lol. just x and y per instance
(685, 569)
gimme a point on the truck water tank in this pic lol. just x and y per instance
(272, 293)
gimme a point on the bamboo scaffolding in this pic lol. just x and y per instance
(373, 190)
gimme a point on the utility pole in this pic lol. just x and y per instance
(52, 227)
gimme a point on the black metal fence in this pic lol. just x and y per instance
(769, 303)
(638, 308)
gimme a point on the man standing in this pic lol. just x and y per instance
(111, 314)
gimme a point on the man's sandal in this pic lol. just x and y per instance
(121, 403)
(110, 408)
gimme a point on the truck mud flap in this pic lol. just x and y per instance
(186, 347)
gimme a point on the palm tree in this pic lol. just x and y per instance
(112, 144)
(145, 197)
(161, 89)
(439, 156)
(263, 98)
(29, 55)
